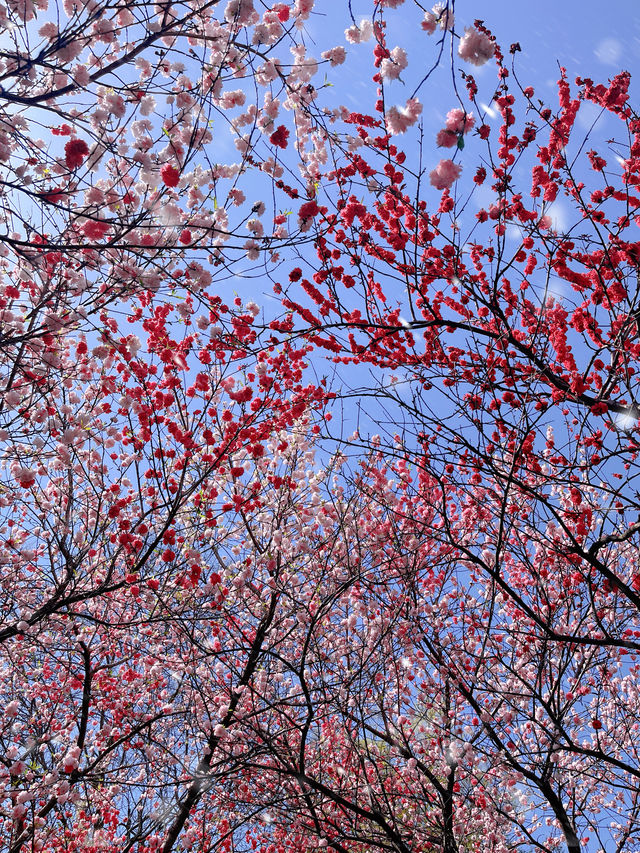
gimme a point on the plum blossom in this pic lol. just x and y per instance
(237, 196)
(81, 75)
(302, 10)
(360, 33)
(475, 47)
(446, 138)
(49, 31)
(147, 105)
(235, 98)
(25, 476)
(336, 55)
(71, 759)
(239, 12)
(256, 227)
(445, 173)
(429, 23)
(444, 16)
(252, 250)
(395, 63)
(458, 122)
(456, 125)
(398, 119)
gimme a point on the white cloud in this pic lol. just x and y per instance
(609, 51)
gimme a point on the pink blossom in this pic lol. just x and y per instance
(70, 761)
(237, 196)
(444, 16)
(252, 249)
(429, 23)
(336, 55)
(399, 119)
(446, 138)
(115, 104)
(445, 173)
(80, 74)
(239, 12)
(303, 9)
(25, 476)
(147, 105)
(395, 63)
(49, 30)
(360, 33)
(475, 47)
(235, 98)
(458, 122)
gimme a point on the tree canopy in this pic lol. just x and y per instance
(318, 495)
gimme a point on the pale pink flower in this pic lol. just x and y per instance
(360, 33)
(115, 104)
(237, 196)
(303, 9)
(147, 105)
(48, 30)
(444, 16)
(256, 227)
(445, 173)
(395, 63)
(475, 47)
(336, 55)
(399, 119)
(252, 250)
(80, 74)
(239, 12)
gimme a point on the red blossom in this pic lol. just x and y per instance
(170, 175)
(95, 229)
(279, 136)
(75, 152)
(308, 210)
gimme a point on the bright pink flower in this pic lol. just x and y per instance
(459, 122)
(445, 173)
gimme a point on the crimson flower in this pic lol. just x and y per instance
(74, 152)
(170, 175)
(279, 136)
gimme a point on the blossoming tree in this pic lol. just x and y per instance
(221, 629)
(506, 346)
